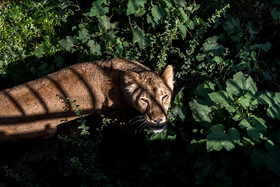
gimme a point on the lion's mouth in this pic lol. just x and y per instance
(157, 128)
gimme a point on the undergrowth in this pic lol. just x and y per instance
(224, 117)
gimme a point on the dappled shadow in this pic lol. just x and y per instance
(37, 107)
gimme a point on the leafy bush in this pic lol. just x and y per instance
(224, 118)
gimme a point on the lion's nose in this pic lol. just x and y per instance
(157, 121)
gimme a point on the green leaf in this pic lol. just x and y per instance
(235, 85)
(253, 133)
(183, 30)
(234, 135)
(274, 111)
(179, 109)
(135, 5)
(39, 52)
(104, 24)
(95, 48)
(201, 113)
(139, 37)
(158, 13)
(250, 85)
(244, 124)
(218, 139)
(68, 43)
(220, 97)
(259, 123)
(98, 9)
(83, 34)
(218, 59)
(140, 12)
(210, 44)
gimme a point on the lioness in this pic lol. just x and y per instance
(36, 108)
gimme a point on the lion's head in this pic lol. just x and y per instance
(150, 94)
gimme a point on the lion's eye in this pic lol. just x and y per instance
(164, 97)
(144, 100)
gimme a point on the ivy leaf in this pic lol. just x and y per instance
(68, 43)
(94, 47)
(97, 9)
(134, 5)
(83, 34)
(139, 37)
(104, 24)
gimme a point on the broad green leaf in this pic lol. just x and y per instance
(140, 12)
(250, 85)
(98, 9)
(259, 123)
(232, 87)
(139, 37)
(220, 97)
(134, 5)
(218, 139)
(266, 98)
(201, 113)
(218, 59)
(236, 85)
(234, 135)
(200, 57)
(244, 101)
(253, 133)
(244, 124)
(210, 44)
(230, 109)
(274, 111)
(183, 30)
(158, 13)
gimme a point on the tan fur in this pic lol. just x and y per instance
(36, 108)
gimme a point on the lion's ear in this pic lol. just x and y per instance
(131, 79)
(168, 76)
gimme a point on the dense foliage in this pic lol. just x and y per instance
(224, 119)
